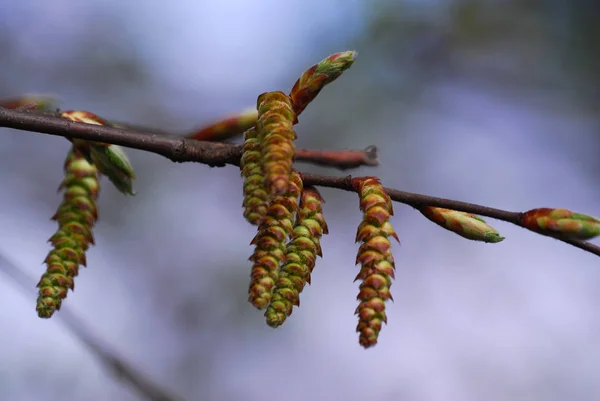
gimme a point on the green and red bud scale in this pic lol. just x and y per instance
(313, 80)
(561, 222)
(111, 160)
(467, 225)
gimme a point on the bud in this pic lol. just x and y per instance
(313, 80)
(228, 127)
(35, 101)
(467, 225)
(561, 222)
(111, 160)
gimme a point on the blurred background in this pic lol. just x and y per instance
(493, 102)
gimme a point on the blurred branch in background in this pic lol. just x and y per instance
(516, 46)
(115, 365)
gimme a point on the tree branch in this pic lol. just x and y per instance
(115, 365)
(217, 154)
(175, 148)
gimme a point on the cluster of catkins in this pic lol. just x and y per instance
(289, 217)
(288, 214)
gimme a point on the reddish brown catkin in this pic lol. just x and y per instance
(273, 233)
(275, 128)
(300, 257)
(75, 217)
(375, 257)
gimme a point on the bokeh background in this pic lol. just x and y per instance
(492, 102)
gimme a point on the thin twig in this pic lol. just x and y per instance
(337, 158)
(418, 201)
(116, 366)
(226, 128)
(220, 154)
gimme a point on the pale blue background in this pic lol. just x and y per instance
(492, 110)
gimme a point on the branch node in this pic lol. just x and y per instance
(180, 147)
(372, 156)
